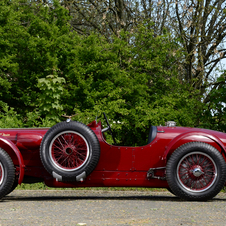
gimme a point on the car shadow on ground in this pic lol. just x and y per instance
(99, 197)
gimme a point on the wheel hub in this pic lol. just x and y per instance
(197, 172)
(68, 151)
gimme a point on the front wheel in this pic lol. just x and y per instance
(15, 184)
(196, 171)
(7, 173)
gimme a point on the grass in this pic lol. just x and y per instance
(42, 186)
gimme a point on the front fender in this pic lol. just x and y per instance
(187, 134)
(8, 144)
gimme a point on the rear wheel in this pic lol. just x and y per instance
(7, 173)
(196, 171)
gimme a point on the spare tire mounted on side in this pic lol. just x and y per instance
(70, 151)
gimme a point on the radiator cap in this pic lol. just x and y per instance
(170, 124)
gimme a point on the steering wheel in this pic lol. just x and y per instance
(108, 128)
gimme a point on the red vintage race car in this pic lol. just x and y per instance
(190, 162)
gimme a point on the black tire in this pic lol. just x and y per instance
(7, 173)
(170, 191)
(196, 171)
(70, 151)
(15, 184)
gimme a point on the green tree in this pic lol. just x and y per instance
(51, 89)
(30, 36)
(199, 26)
(214, 115)
(50, 70)
(134, 82)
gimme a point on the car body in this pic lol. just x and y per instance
(190, 162)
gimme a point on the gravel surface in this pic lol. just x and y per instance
(88, 207)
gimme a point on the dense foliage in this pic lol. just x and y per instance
(47, 69)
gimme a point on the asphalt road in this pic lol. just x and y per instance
(89, 207)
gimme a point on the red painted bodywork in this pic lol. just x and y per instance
(118, 165)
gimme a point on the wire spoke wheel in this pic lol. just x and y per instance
(69, 150)
(196, 172)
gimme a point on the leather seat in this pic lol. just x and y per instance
(152, 134)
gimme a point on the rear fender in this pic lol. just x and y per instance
(9, 146)
(187, 134)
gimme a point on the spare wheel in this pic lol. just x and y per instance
(70, 151)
